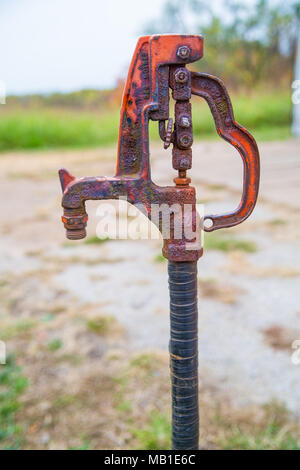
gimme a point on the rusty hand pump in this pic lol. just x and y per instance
(158, 65)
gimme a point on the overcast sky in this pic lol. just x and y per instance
(62, 45)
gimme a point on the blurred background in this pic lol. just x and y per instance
(86, 324)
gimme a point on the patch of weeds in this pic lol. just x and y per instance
(33, 253)
(124, 407)
(113, 355)
(17, 329)
(96, 240)
(100, 325)
(47, 317)
(269, 438)
(84, 446)
(74, 359)
(120, 380)
(222, 243)
(143, 361)
(217, 187)
(156, 435)
(12, 385)
(159, 258)
(55, 344)
(277, 222)
(58, 309)
(274, 431)
(64, 400)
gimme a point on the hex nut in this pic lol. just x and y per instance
(183, 52)
(181, 76)
(185, 141)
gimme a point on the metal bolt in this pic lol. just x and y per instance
(181, 76)
(185, 141)
(185, 121)
(183, 52)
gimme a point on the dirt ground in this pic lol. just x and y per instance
(89, 321)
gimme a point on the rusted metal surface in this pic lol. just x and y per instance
(158, 65)
(212, 89)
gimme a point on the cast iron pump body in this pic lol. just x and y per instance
(158, 65)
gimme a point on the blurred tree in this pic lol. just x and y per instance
(246, 43)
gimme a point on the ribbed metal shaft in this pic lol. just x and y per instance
(184, 354)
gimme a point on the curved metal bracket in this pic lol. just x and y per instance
(213, 90)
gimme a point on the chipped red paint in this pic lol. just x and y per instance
(158, 64)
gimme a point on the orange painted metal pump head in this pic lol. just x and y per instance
(158, 66)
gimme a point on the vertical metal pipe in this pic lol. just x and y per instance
(184, 354)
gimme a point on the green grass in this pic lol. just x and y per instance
(47, 317)
(21, 327)
(85, 446)
(96, 240)
(55, 344)
(101, 325)
(266, 115)
(277, 222)
(267, 134)
(143, 361)
(270, 438)
(22, 130)
(12, 385)
(159, 258)
(64, 400)
(124, 407)
(274, 431)
(156, 435)
(220, 242)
